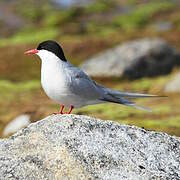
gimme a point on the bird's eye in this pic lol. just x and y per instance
(41, 47)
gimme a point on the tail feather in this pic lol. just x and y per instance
(126, 94)
(131, 95)
(126, 102)
(139, 107)
(123, 98)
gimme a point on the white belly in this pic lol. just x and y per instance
(61, 97)
(54, 83)
(55, 86)
(60, 93)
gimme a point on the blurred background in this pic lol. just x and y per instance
(131, 45)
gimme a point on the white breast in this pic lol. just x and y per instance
(52, 76)
(55, 81)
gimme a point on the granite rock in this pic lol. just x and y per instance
(173, 85)
(134, 59)
(16, 124)
(81, 147)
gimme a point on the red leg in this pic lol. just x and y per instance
(71, 108)
(61, 109)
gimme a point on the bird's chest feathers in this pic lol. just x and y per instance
(53, 79)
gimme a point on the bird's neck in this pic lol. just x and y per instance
(51, 69)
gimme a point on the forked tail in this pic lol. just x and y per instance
(123, 98)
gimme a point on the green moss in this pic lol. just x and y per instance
(99, 6)
(141, 15)
(110, 111)
(12, 92)
(163, 109)
(51, 19)
(101, 31)
(8, 86)
(145, 84)
(170, 125)
(148, 83)
(57, 18)
(30, 36)
(33, 11)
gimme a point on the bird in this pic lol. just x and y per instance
(71, 87)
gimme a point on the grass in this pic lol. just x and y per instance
(6, 86)
(30, 36)
(12, 95)
(141, 15)
(10, 91)
(170, 125)
(33, 10)
(99, 6)
(146, 84)
(52, 23)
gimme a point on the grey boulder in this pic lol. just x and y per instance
(81, 147)
(134, 59)
(16, 124)
(173, 85)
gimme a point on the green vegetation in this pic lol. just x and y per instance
(10, 91)
(146, 84)
(44, 22)
(33, 11)
(141, 15)
(8, 86)
(170, 125)
(30, 36)
(58, 18)
(100, 6)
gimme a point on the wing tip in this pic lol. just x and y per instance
(139, 107)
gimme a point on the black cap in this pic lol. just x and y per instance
(53, 47)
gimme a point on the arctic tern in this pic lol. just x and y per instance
(70, 86)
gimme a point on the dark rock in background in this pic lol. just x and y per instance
(134, 59)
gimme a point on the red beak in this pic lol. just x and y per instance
(32, 51)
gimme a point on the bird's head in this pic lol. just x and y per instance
(48, 49)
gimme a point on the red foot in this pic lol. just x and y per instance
(71, 108)
(61, 110)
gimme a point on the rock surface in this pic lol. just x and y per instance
(173, 85)
(80, 147)
(16, 124)
(134, 59)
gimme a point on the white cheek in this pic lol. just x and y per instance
(47, 56)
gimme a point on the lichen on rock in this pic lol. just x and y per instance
(81, 147)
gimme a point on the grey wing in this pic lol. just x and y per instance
(81, 84)
(89, 90)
